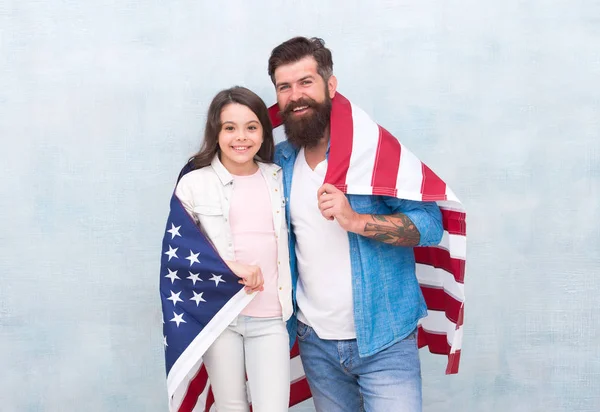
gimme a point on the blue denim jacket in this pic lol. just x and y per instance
(387, 298)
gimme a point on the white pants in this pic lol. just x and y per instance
(258, 347)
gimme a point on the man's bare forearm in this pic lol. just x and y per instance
(397, 230)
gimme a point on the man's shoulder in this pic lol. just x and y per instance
(284, 146)
(283, 151)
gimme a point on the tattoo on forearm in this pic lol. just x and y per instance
(396, 230)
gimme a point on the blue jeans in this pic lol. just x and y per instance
(341, 381)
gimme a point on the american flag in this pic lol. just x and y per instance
(200, 297)
(366, 159)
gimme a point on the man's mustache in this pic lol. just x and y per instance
(298, 103)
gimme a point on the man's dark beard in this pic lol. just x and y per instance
(308, 129)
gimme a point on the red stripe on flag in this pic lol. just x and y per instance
(440, 258)
(453, 362)
(387, 163)
(437, 342)
(438, 299)
(295, 350)
(195, 388)
(340, 142)
(274, 115)
(454, 222)
(210, 400)
(432, 187)
(461, 316)
(299, 391)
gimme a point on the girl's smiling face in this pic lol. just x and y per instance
(240, 138)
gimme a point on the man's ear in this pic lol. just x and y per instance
(332, 86)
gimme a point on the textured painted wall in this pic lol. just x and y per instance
(101, 102)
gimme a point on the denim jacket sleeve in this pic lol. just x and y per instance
(426, 216)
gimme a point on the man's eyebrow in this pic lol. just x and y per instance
(310, 76)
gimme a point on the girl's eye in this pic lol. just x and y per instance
(229, 128)
(252, 127)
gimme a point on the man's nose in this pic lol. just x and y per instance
(296, 93)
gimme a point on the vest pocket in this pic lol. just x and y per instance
(211, 221)
(208, 210)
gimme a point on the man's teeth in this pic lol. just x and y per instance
(300, 108)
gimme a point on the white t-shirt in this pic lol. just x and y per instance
(324, 291)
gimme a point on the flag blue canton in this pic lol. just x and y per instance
(195, 283)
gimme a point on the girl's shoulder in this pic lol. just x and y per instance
(270, 168)
(198, 178)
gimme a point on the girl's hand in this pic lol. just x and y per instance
(250, 276)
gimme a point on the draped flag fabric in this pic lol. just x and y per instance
(200, 298)
(366, 159)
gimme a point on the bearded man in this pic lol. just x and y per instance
(357, 301)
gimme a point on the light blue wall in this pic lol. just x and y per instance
(101, 102)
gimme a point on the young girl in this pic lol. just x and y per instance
(235, 194)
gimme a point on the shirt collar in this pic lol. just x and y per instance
(225, 177)
(222, 173)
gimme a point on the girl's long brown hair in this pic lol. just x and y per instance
(246, 97)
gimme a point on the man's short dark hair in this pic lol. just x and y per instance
(298, 48)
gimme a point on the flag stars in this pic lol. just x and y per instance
(165, 342)
(178, 319)
(194, 277)
(171, 253)
(175, 298)
(217, 279)
(197, 298)
(172, 275)
(174, 231)
(193, 258)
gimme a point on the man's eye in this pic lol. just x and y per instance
(306, 82)
(282, 88)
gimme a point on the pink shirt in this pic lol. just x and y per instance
(254, 241)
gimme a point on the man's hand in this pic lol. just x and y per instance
(250, 276)
(334, 204)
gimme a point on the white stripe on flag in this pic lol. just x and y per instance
(410, 172)
(455, 244)
(437, 322)
(296, 369)
(362, 158)
(440, 279)
(451, 205)
(456, 344)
